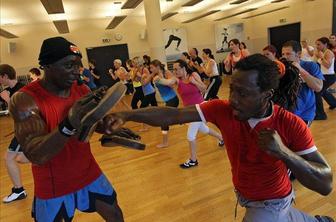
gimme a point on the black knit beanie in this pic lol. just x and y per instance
(56, 48)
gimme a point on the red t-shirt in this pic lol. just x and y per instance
(74, 166)
(256, 174)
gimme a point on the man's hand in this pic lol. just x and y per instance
(5, 96)
(81, 107)
(270, 142)
(297, 65)
(110, 123)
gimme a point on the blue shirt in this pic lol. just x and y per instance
(91, 83)
(166, 92)
(305, 107)
(148, 89)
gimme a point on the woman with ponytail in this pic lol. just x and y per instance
(211, 70)
(190, 88)
(326, 59)
(168, 95)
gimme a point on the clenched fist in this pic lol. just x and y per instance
(270, 142)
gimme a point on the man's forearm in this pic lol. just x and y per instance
(40, 150)
(314, 176)
(162, 116)
(312, 82)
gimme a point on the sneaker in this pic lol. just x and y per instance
(331, 90)
(324, 218)
(332, 107)
(17, 194)
(189, 163)
(221, 143)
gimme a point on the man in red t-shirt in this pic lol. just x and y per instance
(263, 141)
(47, 115)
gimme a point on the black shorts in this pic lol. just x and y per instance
(14, 146)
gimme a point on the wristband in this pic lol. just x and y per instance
(66, 129)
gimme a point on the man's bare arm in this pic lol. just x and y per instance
(38, 144)
(31, 131)
(154, 116)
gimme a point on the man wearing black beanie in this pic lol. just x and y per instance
(48, 115)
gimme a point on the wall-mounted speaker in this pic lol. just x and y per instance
(142, 34)
(11, 47)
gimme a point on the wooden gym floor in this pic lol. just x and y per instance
(152, 188)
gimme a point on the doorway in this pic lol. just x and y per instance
(281, 34)
(104, 57)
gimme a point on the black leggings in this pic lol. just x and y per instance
(137, 96)
(327, 96)
(174, 102)
(212, 90)
(149, 99)
(129, 86)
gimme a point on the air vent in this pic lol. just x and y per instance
(238, 13)
(238, 2)
(263, 13)
(116, 21)
(7, 35)
(191, 3)
(131, 4)
(201, 16)
(168, 15)
(53, 6)
(277, 1)
(61, 26)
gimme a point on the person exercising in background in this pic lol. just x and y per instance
(34, 74)
(189, 88)
(167, 92)
(14, 154)
(211, 70)
(262, 140)
(234, 56)
(87, 77)
(47, 115)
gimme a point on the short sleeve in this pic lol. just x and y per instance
(315, 70)
(301, 141)
(214, 111)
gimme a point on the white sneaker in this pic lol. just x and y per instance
(15, 196)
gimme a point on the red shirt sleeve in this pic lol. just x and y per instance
(214, 111)
(301, 140)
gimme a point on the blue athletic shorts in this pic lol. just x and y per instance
(51, 210)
